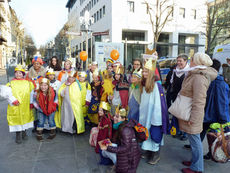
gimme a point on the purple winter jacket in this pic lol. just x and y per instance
(128, 150)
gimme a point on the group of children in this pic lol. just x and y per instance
(70, 102)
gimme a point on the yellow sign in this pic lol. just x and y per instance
(220, 50)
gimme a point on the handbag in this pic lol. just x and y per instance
(181, 107)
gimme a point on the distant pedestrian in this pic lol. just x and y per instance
(195, 86)
(226, 71)
(19, 114)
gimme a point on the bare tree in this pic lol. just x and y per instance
(160, 12)
(218, 20)
(30, 48)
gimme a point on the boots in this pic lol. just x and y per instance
(146, 155)
(39, 135)
(154, 158)
(52, 134)
(24, 135)
(18, 138)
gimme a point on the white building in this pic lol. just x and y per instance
(129, 19)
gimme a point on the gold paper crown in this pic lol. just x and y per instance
(119, 70)
(150, 64)
(122, 112)
(96, 73)
(110, 60)
(105, 106)
(45, 80)
(138, 73)
(70, 60)
(72, 73)
(50, 71)
(19, 67)
(149, 52)
(82, 74)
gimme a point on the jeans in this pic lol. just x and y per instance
(42, 119)
(111, 156)
(197, 152)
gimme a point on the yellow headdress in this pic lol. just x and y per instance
(119, 70)
(19, 67)
(105, 106)
(82, 74)
(150, 64)
(50, 71)
(138, 73)
(72, 73)
(45, 80)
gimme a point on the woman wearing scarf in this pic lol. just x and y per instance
(195, 86)
(177, 76)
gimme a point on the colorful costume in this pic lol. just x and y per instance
(70, 108)
(20, 117)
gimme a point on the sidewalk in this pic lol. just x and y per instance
(73, 154)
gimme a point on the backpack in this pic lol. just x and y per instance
(141, 132)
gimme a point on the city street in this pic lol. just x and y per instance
(73, 154)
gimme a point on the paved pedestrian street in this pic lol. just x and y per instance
(73, 154)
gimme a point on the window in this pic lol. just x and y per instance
(131, 6)
(139, 36)
(103, 11)
(100, 13)
(91, 3)
(95, 17)
(182, 12)
(193, 13)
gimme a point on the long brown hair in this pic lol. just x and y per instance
(48, 92)
(149, 82)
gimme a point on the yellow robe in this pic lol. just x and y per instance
(83, 98)
(75, 99)
(22, 114)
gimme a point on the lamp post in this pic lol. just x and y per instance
(86, 22)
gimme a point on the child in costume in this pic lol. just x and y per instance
(46, 102)
(135, 95)
(107, 85)
(95, 99)
(152, 114)
(105, 124)
(63, 75)
(70, 115)
(19, 115)
(85, 93)
(120, 90)
(55, 84)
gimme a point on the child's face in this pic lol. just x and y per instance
(95, 78)
(51, 77)
(71, 79)
(18, 75)
(135, 79)
(117, 76)
(44, 87)
(100, 112)
(118, 118)
(110, 69)
(145, 73)
(81, 78)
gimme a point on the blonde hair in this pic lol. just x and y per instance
(48, 91)
(149, 82)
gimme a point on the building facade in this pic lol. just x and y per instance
(127, 21)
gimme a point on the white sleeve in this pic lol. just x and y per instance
(6, 93)
(88, 95)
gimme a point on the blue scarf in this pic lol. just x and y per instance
(116, 126)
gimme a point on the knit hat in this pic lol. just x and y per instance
(202, 59)
(37, 59)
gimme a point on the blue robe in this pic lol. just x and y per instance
(134, 103)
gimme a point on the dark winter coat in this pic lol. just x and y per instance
(128, 150)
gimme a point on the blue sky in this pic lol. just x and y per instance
(43, 19)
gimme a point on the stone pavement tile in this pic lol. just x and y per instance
(16, 167)
(58, 165)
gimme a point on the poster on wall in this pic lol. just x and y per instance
(102, 53)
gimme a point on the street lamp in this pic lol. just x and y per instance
(86, 22)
